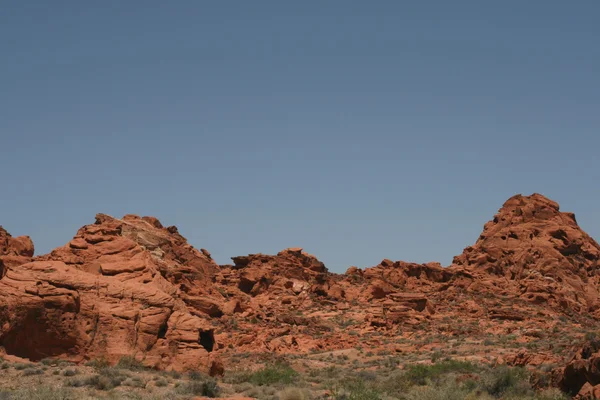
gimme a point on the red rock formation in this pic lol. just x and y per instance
(130, 286)
(581, 376)
(290, 270)
(532, 250)
(120, 287)
(14, 251)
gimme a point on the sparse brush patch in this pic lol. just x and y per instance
(161, 382)
(355, 389)
(130, 363)
(38, 392)
(98, 363)
(448, 391)
(278, 373)
(208, 388)
(197, 376)
(21, 366)
(551, 394)
(419, 374)
(70, 372)
(505, 380)
(134, 381)
(32, 371)
(106, 379)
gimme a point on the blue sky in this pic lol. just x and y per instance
(357, 130)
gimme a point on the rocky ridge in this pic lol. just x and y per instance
(131, 286)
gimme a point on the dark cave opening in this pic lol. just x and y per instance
(207, 340)
(162, 331)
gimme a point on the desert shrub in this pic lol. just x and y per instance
(355, 389)
(551, 394)
(134, 381)
(32, 371)
(505, 380)
(70, 372)
(197, 376)
(130, 363)
(63, 363)
(39, 392)
(273, 374)
(161, 382)
(447, 391)
(98, 363)
(22, 366)
(99, 382)
(436, 356)
(420, 374)
(208, 388)
(174, 374)
(114, 375)
(106, 379)
(4, 365)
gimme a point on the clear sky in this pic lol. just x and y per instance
(357, 130)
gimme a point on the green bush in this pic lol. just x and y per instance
(272, 374)
(504, 380)
(420, 374)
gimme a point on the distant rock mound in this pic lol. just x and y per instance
(533, 250)
(291, 269)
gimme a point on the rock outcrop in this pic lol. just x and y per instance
(120, 287)
(532, 250)
(14, 251)
(581, 376)
(133, 287)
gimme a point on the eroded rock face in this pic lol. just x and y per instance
(541, 254)
(14, 251)
(131, 286)
(118, 288)
(291, 269)
(581, 375)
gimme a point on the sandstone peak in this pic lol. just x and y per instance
(539, 249)
(521, 209)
